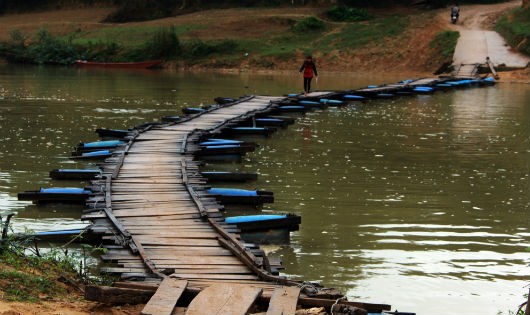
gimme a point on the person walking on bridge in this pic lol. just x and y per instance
(309, 70)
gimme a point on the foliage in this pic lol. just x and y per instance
(48, 49)
(515, 28)
(309, 24)
(24, 287)
(28, 273)
(348, 14)
(445, 43)
(53, 50)
(44, 49)
(197, 49)
(8, 6)
(163, 44)
(28, 277)
(139, 10)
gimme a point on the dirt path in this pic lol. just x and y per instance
(477, 42)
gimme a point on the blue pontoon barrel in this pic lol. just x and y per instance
(73, 170)
(219, 142)
(232, 192)
(96, 153)
(331, 102)
(308, 103)
(350, 97)
(254, 218)
(99, 144)
(269, 119)
(65, 190)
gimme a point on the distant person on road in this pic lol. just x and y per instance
(309, 69)
(455, 10)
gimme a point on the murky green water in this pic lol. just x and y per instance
(419, 202)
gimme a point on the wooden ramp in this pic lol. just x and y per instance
(467, 70)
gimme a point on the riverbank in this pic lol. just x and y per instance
(243, 40)
(253, 39)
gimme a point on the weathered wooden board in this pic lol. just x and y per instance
(172, 233)
(196, 242)
(165, 298)
(224, 299)
(179, 269)
(283, 301)
(176, 251)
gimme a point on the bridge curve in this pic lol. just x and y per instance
(152, 203)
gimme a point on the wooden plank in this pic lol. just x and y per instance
(171, 233)
(143, 239)
(185, 260)
(214, 276)
(224, 299)
(284, 301)
(165, 298)
(195, 269)
(169, 215)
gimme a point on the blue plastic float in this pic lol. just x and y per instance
(96, 153)
(331, 102)
(254, 218)
(232, 192)
(99, 144)
(350, 97)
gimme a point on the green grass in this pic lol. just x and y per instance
(27, 287)
(515, 28)
(445, 43)
(126, 36)
(360, 34)
(349, 36)
(348, 14)
(309, 24)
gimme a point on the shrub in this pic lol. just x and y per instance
(101, 51)
(52, 50)
(348, 14)
(445, 43)
(515, 27)
(163, 45)
(45, 49)
(198, 49)
(310, 23)
(140, 10)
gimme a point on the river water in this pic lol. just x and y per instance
(420, 202)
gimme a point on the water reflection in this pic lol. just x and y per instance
(417, 201)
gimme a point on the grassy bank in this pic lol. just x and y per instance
(341, 39)
(188, 44)
(515, 28)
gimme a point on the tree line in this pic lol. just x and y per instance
(135, 10)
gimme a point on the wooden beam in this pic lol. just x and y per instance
(165, 298)
(220, 298)
(283, 301)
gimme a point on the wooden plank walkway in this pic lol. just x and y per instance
(169, 229)
(153, 195)
(168, 233)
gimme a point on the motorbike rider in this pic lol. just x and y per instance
(455, 10)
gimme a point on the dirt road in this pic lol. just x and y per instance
(477, 41)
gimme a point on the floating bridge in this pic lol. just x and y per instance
(169, 244)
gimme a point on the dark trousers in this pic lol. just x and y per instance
(307, 84)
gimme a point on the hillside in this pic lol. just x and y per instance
(259, 39)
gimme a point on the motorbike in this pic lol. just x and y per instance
(454, 18)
